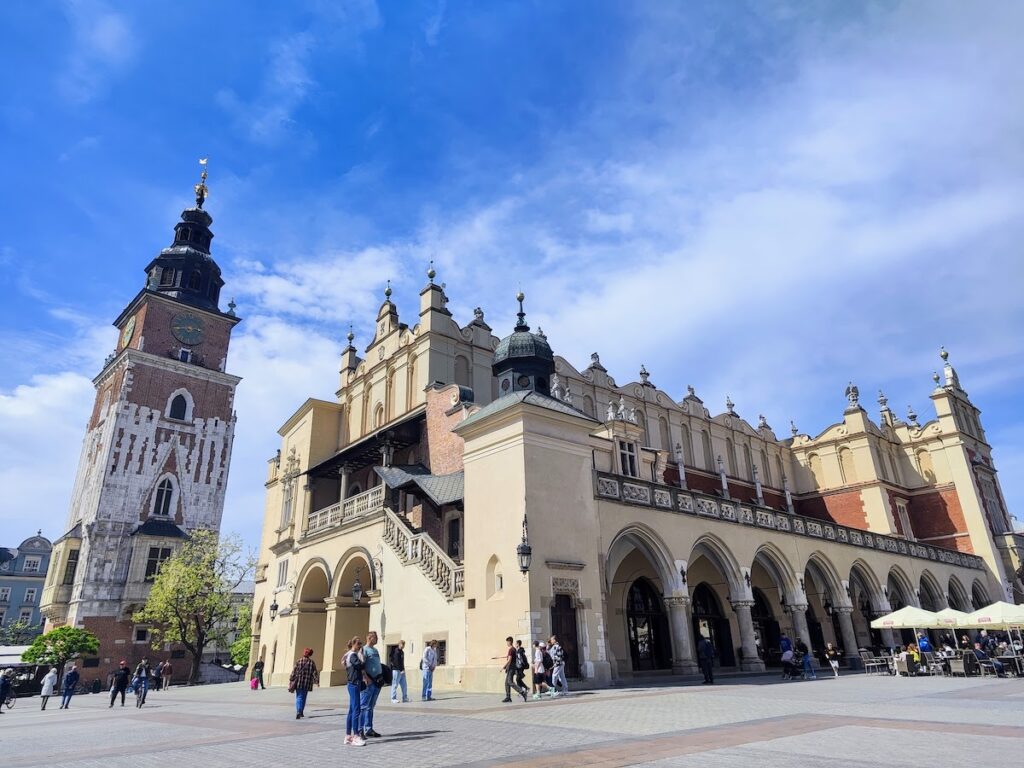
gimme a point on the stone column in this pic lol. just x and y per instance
(849, 637)
(798, 613)
(683, 660)
(888, 638)
(305, 508)
(331, 670)
(751, 661)
(346, 472)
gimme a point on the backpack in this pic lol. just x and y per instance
(546, 661)
(521, 660)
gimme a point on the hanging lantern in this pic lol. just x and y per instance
(524, 552)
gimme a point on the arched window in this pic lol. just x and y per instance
(814, 464)
(167, 276)
(378, 416)
(705, 444)
(462, 375)
(411, 389)
(924, 462)
(178, 408)
(778, 469)
(641, 420)
(392, 396)
(846, 465)
(766, 468)
(686, 445)
(748, 466)
(164, 498)
(666, 443)
(730, 456)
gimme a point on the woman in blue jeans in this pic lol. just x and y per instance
(354, 666)
(304, 676)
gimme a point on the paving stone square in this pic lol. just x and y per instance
(856, 720)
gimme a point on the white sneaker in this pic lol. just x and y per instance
(348, 740)
(358, 741)
(394, 701)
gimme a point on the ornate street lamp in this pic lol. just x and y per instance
(524, 552)
(273, 610)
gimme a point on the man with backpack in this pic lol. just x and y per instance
(558, 680)
(522, 664)
(541, 664)
(510, 670)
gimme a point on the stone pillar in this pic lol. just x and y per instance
(331, 670)
(888, 638)
(305, 508)
(346, 472)
(751, 661)
(683, 660)
(849, 637)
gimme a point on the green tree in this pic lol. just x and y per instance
(190, 601)
(17, 632)
(59, 646)
(240, 648)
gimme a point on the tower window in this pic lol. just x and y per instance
(167, 276)
(164, 496)
(194, 281)
(71, 567)
(185, 355)
(157, 555)
(627, 459)
(179, 406)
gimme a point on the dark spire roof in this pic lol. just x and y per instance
(522, 344)
(185, 270)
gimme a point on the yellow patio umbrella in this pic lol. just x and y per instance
(999, 615)
(908, 617)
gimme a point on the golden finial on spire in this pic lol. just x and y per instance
(202, 191)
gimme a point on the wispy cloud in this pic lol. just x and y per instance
(432, 29)
(103, 45)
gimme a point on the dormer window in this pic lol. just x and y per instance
(194, 281)
(627, 459)
(166, 276)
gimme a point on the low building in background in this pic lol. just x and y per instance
(23, 573)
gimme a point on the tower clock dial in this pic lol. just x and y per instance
(187, 328)
(127, 332)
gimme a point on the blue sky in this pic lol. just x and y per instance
(763, 200)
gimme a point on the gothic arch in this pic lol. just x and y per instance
(900, 586)
(174, 404)
(777, 565)
(827, 577)
(862, 574)
(645, 540)
(355, 558)
(932, 597)
(159, 503)
(979, 595)
(715, 550)
(957, 595)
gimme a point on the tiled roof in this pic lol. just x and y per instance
(158, 527)
(526, 396)
(440, 489)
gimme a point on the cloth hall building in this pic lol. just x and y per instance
(462, 488)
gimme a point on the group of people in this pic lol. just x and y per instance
(796, 659)
(985, 647)
(547, 669)
(123, 679)
(366, 675)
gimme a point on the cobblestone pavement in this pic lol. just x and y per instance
(853, 721)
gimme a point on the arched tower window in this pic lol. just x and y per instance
(178, 407)
(194, 280)
(378, 416)
(166, 276)
(462, 375)
(163, 504)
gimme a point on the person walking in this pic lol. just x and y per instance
(142, 673)
(397, 661)
(832, 654)
(510, 669)
(301, 681)
(166, 673)
(49, 682)
(67, 689)
(428, 664)
(540, 677)
(373, 675)
(522, 665)
(559, 685)
(785, 644)
(119, 680)
(257, 673)
(805, 659)
(353, 661)
(706, 660)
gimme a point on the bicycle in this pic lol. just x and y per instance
(11, 698)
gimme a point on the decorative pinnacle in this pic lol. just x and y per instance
(231, 306)
(729, 404)
(387, 291)
(883, 400)
(911, 416)
(351, 336)
(521, 325)
(202, 191)
(793, 429)
(431, 274)
(943, 354)
(935, 378)
(644, 374)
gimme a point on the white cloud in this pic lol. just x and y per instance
(104, 43)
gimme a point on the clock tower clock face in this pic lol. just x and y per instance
(187, 328)
(128, 332)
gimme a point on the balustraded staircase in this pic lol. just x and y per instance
(420, 549)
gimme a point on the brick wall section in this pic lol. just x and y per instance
(936, 515)
(443, 454)
(116, 643)
(153, 330)
(843, 508)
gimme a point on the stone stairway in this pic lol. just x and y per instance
(418, 548)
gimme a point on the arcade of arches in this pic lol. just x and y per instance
(662, 606)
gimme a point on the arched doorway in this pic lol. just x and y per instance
(709, 622)
(864, 595)
(311, 619)
(766, 629)
(650, 646)
(350, 619)
(900, 596)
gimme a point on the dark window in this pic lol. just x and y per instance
(194, 280)
(156, 556)
(91, 662)
(179, 405)
(164, 494)
(455, 537)
(71, 567)
(185, 355)
(167, 276)
(141, 634)
(178, 654)
(442, 652)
